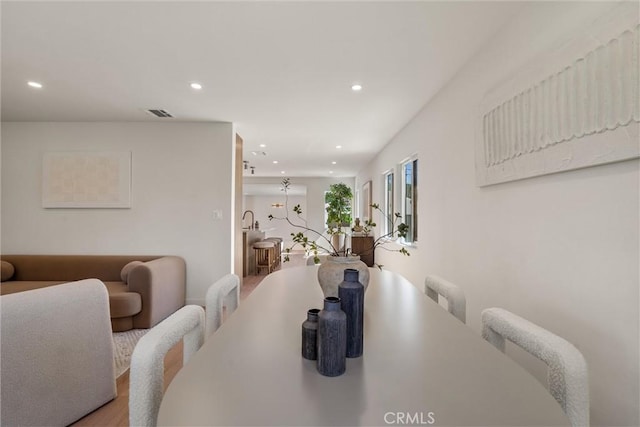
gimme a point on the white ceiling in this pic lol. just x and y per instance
(281, 71)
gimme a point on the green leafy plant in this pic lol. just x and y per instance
(338, 200)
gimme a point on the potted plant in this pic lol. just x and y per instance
(338, 202)
(330, 273)
(318, 242)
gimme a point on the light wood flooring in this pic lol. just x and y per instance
(116, 412)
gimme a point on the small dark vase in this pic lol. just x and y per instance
(310, 335)
(332, 339)
(351, 293)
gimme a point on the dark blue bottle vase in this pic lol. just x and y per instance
(310, 335)
(332, 339)
(351, 293)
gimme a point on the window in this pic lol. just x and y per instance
(410, 198)
(325, 219)
(357, 208)
(388, 202)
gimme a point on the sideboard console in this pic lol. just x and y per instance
(363, 246)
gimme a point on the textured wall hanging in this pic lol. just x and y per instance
(581, 108)
(86, 180)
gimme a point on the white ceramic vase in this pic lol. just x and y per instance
(337, 241)
(331, 273)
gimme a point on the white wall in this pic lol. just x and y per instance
(181, 173)
(560, 250)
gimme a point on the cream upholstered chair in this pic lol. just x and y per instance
(146, 379)
(223, 293)
(434, 286)
(567, 370)
(57, 354)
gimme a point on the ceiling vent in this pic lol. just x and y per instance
(160, 113)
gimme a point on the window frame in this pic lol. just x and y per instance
(412, 232)
(389, 201)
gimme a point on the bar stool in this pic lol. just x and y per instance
(265, 255)
(277, 241)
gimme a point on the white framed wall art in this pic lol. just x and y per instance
(77, 179)
(578, 106)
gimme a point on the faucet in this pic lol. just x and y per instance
(252, 217)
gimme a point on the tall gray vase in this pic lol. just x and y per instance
(332, 339)
(351, 293)
(310, 335)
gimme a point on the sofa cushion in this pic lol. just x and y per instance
(14, 286)
(7, 271)
(122, 303)
(124, 273)
(69, 268)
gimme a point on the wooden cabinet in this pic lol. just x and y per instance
(363, 246)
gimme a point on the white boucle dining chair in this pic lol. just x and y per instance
(56, 349)
(457, 303)
(567, 373)
(146, 380)
(223, 293)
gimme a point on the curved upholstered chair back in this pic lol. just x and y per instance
(146, 379)
(223, 293)
(567, 369)
(435, 286)
(57, 354)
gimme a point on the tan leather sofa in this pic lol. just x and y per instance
(57, 354)
(143, 290)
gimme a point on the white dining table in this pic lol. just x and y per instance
(421, 366)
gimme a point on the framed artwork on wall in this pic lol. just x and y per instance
(78, 179)
(366, 201)
(575, 107)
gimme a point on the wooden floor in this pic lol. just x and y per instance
(116, 412)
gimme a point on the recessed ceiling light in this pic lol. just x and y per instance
(333, 163)
(356, 87)
(338, 146)
(282, 172)
(263, 145)
(330, 171)
(35, 85)
(196, 86)
(275, 162)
